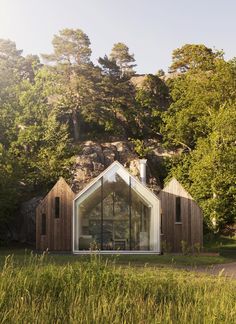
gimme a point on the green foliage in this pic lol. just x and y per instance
(185, 248)
(197, 97)
(140, 148)
(71, 48)
(213, 174)
(117, 106)
(152, 98)
(201, 120)
(197, 248)
(194, 56)
(9, 187)
(120, 54)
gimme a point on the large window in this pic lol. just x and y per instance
(113, 216)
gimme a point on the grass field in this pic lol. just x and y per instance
(52, 288)
(39, 289)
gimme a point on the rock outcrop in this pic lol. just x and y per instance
(95, 158)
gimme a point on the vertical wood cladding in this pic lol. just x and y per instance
(189, 226)
(57, 208)
(54, 218)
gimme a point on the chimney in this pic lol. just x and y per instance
(142, 170)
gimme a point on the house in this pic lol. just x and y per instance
(116, 212)
(181, 217)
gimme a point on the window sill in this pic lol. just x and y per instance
(178, 223)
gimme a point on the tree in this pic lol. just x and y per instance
(201, 119)
(9, 187)
(196, 96)
(160, 73)
(72, 68)
(153, 99)
(120, 54)
(213, 170)
(42, 146)
(71, 49)
(117, 100)
(14, 69)
(194, 56)
(209, 171)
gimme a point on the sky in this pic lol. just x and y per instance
(151, 29)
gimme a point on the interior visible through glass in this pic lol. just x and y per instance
(114, 217)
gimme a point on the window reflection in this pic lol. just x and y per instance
(114, 217)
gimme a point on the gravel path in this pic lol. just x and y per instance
(227, 269)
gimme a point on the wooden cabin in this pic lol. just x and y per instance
(181, 217)
(54, 219)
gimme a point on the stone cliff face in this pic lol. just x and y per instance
(95, 158)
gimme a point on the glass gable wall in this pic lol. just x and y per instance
(112, 215)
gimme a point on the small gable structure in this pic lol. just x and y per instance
(181, 217)
(54, 219)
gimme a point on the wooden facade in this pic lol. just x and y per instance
(54, 219)
(182, 218)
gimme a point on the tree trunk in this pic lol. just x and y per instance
(76, 128)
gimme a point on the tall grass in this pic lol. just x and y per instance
(100, 292)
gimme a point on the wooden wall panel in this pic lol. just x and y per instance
(191, 229)
(59, 232)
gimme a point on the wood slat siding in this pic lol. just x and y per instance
(58, 230)
(191, 228)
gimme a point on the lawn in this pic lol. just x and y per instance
(170, 260)
(225, 245)
(41, 289)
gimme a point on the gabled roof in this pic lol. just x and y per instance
(113, 165)
(61, 181)
(174, 185)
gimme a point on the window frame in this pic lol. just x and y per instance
(178, 214)
(57, 207)
(43, 224)
(161, 222)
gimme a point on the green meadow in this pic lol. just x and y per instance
(67, 289)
